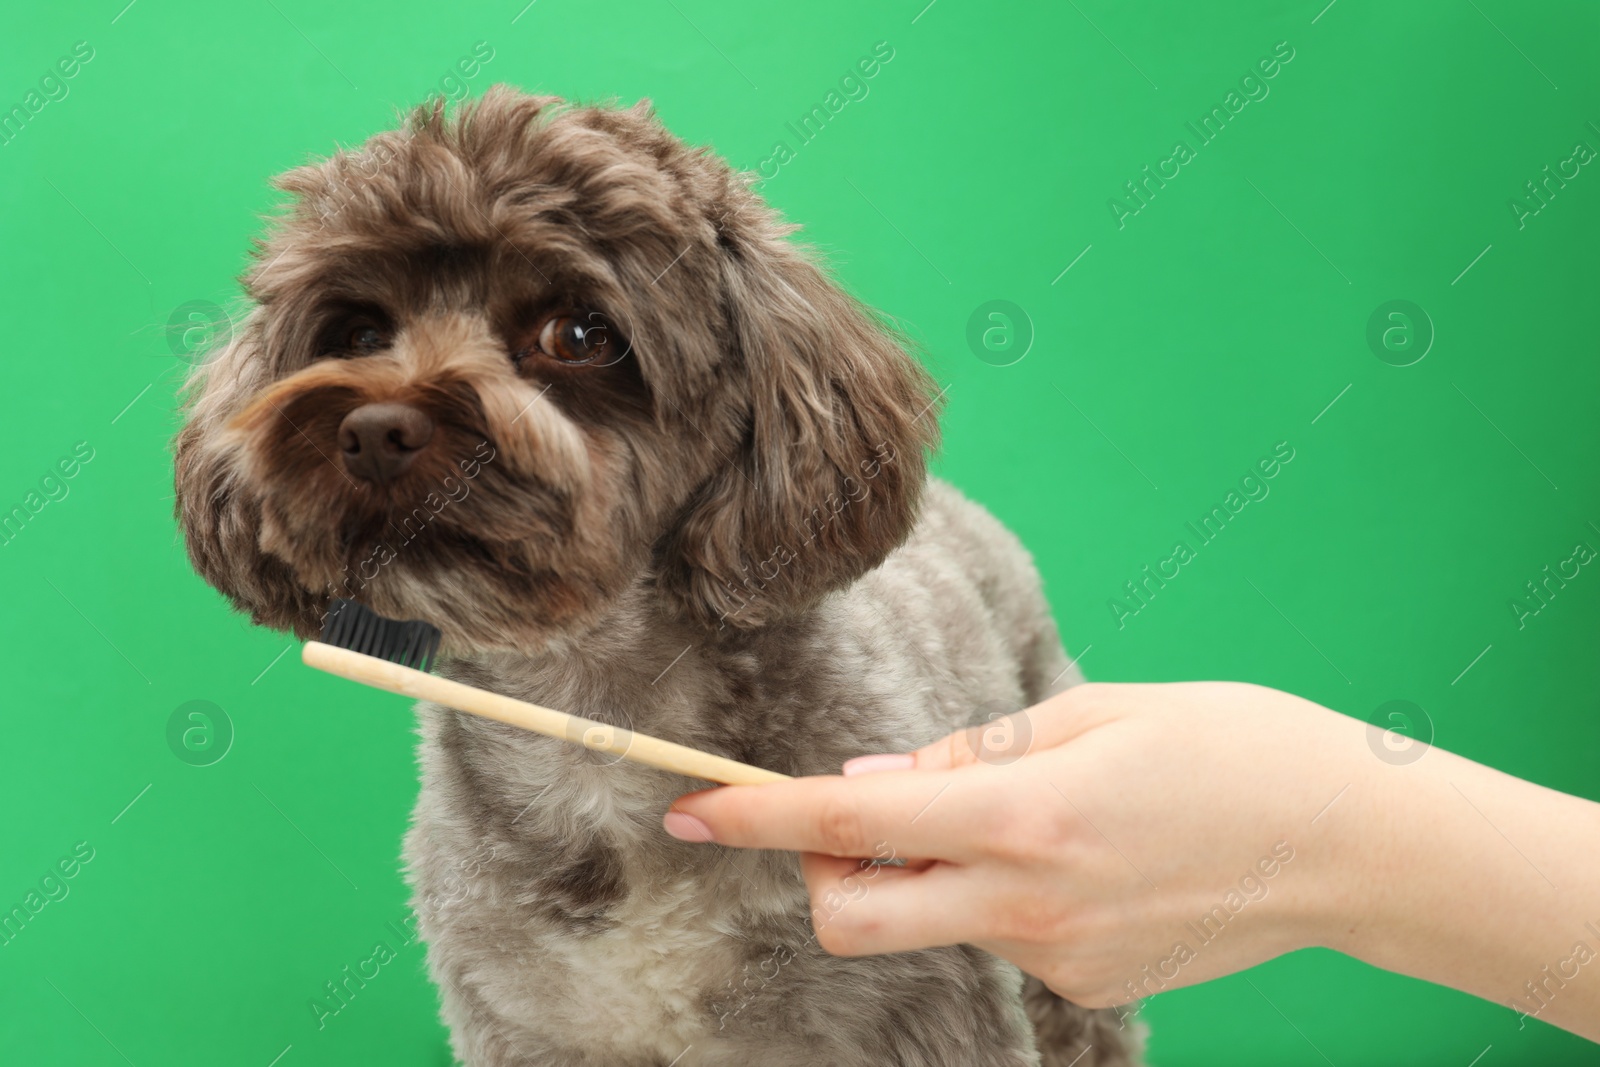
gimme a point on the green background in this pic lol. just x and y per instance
(1226, 316)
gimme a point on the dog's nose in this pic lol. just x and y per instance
(380, 441)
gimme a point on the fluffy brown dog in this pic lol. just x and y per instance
(554, 381)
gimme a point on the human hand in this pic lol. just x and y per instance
(1154, 836)
(1151, 837)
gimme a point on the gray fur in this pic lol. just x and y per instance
(537, 864)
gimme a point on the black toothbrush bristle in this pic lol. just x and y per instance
(410, 643)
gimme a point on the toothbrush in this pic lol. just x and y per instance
(363, 646)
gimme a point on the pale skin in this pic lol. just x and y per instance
(1086, 841)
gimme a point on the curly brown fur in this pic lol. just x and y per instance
(721, 533)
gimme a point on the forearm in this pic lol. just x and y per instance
(1476, 880)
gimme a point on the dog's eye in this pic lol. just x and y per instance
(572, 340)
(580, 338)
(366, 338)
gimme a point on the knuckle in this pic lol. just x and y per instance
(1039, 920)
(951, 752)
(844, 933)
(966, 747)
(1057, 830)
(1027, 834)
(840, 828)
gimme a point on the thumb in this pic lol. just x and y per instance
(960, 749)
(1005, 739)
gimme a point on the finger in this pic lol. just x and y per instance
(887, 909)
(834, 882)
(832, 871)
(892, 866)
(912, 815)
(1008, 738)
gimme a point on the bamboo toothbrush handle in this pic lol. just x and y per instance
(602, 737)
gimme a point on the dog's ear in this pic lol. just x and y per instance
(221, 524)
(837, 421)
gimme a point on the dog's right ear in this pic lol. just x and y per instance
(220, 522)
(838, 419)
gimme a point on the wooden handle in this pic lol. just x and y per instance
(602, 737)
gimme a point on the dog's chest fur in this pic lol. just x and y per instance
(666, 951)
(561, 918)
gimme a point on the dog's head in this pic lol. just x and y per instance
(506, 363)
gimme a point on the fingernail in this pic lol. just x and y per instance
(887, 761)
(686, 827)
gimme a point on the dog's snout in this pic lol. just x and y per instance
(380, 441)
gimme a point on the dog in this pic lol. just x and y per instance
(560, 384)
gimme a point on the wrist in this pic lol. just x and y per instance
(1446, 870)
(1383, 859)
